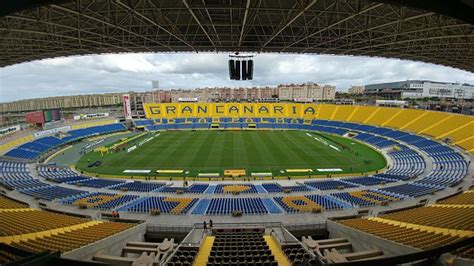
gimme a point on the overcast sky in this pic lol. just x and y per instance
(124, 72)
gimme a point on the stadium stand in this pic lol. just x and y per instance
(409, 190)
(407, 236)
(161, 205)
(466, 198)
(240, 247)
(26, 220)
(50, 192)
(100, 200)
(73, 239)
(330, 184)
(452, 217)
(235, 188)
(138, 186)
(34, 149)
(225, 206)
(365, 197)
(8, 203)
(368, 181)
(183, 256)
(277, 188)
(100, 183)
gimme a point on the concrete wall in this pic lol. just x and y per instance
(111, 246)
(363, 241)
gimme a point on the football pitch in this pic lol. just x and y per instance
(211, 151)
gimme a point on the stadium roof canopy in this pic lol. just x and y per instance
(436, 31)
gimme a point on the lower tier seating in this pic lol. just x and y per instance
(364, 198)
(162, 204)
(224, 206)
(298, 255)
(100, 200)
(52, 192)
(236, 188)
(331, 184)
(184, 256)
(240, 248)
(138, 186)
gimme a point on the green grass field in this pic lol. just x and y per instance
(255, 151)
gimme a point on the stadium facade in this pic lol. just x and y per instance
(421, 89)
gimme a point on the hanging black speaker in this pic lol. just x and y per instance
(244, 70)
(237, 70)
(250, 70)
(231, 69)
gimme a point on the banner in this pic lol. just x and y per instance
(127, 110)
(257, 110)
(90, 116)
(9, 130)
(51, 131)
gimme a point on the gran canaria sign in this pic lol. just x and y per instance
(188, 110)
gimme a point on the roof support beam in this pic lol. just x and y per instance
(138, 14)
(185, 2)
(242, 29)
(110, 25)
(333, 25)
(288, 24)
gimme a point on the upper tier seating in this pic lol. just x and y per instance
(7, 203)
(407, 236)
(30, 220)
(466, 198)
(437, 216)
(71, 240)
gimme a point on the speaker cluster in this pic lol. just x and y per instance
(240, 67)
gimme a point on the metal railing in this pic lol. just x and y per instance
(188, 228)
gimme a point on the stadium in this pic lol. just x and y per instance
(238, 183)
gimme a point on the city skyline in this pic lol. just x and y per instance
(134, 72)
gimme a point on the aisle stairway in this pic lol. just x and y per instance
(204, 251)
(280, 257)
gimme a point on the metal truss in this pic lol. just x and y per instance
(341, 27)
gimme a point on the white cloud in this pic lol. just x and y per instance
(124, 72)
